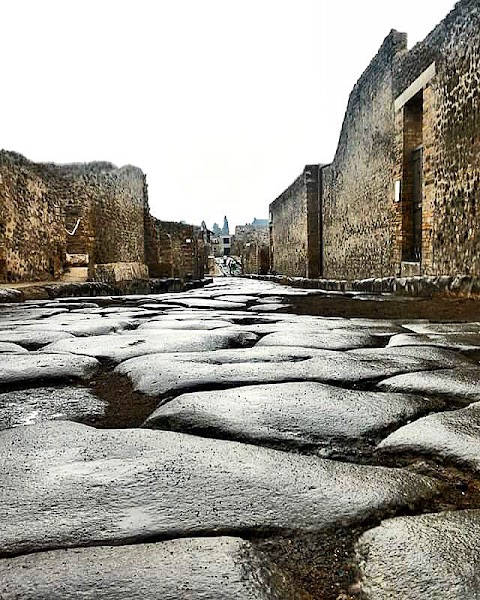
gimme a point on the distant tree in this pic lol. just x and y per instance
(216, 230)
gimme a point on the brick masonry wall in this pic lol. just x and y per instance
(288, 216)
(252, 245)
(358, 211)
(32, 234)
(111, 203)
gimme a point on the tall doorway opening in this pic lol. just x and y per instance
(412, 184)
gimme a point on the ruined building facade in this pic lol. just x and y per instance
(86, 214)
(251, 246)
(402, 194)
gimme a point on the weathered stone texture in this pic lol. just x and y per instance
(294, 227)
(47, 210)
(451, 140)
(111, 204)
(402, 194)
(174, 249)
(252, 244)
(358, 192)
(32, 235)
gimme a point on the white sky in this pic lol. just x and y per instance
(220, 102)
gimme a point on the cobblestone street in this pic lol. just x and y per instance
(218, 444)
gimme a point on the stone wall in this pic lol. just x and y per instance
(252, 245)
(48, 210)
(421, 103)
(32, 232)
(451, 141)
(175, 249)
(358, 192)
(294, 239)
(111, 203)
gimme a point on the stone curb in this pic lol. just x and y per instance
(95, 288)
(421, 286)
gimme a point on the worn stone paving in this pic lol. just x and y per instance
(281, 455)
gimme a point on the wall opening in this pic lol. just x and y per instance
(412, 181)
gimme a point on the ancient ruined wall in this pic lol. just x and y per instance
(111, 203)
(451, 141)
(288, 217)
(358, 211)
(32, 223)
(252, 244)
(175, 250)
(49, 210)
(294, 227)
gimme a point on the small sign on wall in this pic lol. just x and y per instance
(398, 191)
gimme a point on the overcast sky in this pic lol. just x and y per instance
(220, 102)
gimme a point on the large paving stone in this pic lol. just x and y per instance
(24, 407)
(80, 327)
(128, 345)
(333, 340)
(23, 312)
(428, 556)
(9, 347)
(269, 308)
(207, 303)
(299, 414)
(460, 384)
(196, 324)
(441, 356)
(242, 298)
(221, 568)
(29, 368)
(66, 484)
(72, 306)
(167, 374)
(438, 328)
(452, 435)
(465, 342)
(32, 338)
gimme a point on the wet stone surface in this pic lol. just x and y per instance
(453, 435)
(25, 407)
(243, 440)
(427, 556)
(118, 485)
(183, 569)
(303, 414)
(31, 368)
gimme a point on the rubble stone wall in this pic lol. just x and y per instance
(294, 226)
(368, 228)
(174, 250)
(451, 140)
(358, 210)
(32, 222)
(48, 210)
